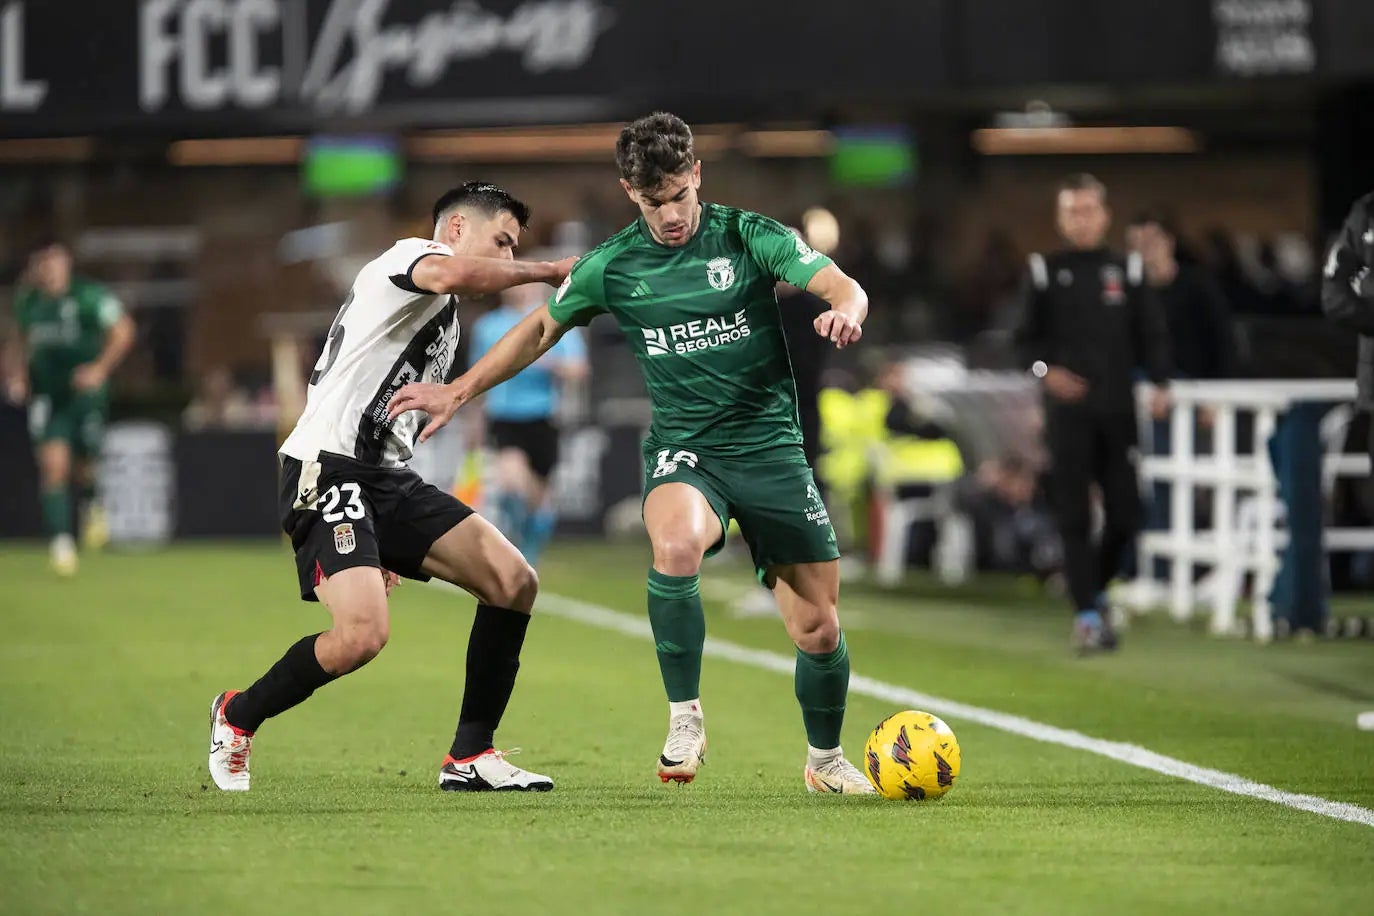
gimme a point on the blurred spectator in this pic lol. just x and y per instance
(799, 310)
(1229, 269)
(220, 403)
(904, 416)
(985, 295)
(1013, 529)
(1202, 343)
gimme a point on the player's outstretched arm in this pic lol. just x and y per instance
(843, 323)
(476, 276)
(521, 345)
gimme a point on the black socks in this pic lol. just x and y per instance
(493, 660)
(294, 677)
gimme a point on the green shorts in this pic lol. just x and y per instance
(773, 497)
(76, 419)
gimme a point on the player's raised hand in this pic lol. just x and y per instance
(436, 400)
(841, 329)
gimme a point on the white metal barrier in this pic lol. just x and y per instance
(1246, 533)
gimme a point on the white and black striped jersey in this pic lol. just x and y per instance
(388, 333)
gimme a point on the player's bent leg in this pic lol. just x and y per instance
(479, 559)
(682, 526)
(356, 599)
(475, 556)
(55, 468)
(807, 595)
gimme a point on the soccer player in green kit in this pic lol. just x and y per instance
(691, 286)
(73, 333)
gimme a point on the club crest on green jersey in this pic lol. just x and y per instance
(721, 273)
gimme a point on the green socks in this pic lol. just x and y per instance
(822, 683)
(679, 632)
(57, 513)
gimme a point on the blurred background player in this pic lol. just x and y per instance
(521, 422)
(72, 334)
(692, 285)
(1348, 292)
(1090, 319)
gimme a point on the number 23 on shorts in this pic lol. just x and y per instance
(351, 497)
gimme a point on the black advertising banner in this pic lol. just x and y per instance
(232, 66)
(223, 66)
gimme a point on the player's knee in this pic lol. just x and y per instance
(819, 635)
(516, 588)
(364, 641)
(54, 472)
(678, 554)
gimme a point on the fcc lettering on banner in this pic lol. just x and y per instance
(209, 55)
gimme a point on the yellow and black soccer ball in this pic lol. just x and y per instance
(912, 756)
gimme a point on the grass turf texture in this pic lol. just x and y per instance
(105, 682)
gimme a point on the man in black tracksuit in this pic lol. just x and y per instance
(1090, 321)
(1348, 292)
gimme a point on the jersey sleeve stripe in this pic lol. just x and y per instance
(404, 281)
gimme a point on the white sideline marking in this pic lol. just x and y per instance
(607, 619)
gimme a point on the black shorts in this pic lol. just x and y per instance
(341, 513)
(538, 439)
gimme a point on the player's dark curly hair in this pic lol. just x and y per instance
(653, 149)
(483, 196)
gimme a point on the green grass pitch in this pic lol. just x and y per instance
(105, 683)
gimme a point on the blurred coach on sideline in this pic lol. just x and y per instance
(1089, 321)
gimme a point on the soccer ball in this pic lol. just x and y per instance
(912, 755)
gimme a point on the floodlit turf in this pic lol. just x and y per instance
(105, 682)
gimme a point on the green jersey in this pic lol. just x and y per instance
(703, 322)
(63, 332)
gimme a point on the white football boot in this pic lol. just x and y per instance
(229, 748)
(831, 773)
(685, 749)
(490, 771)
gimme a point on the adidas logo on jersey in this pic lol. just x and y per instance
(692, 336)
(642, 290)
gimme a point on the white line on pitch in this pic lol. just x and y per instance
(607, 619)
